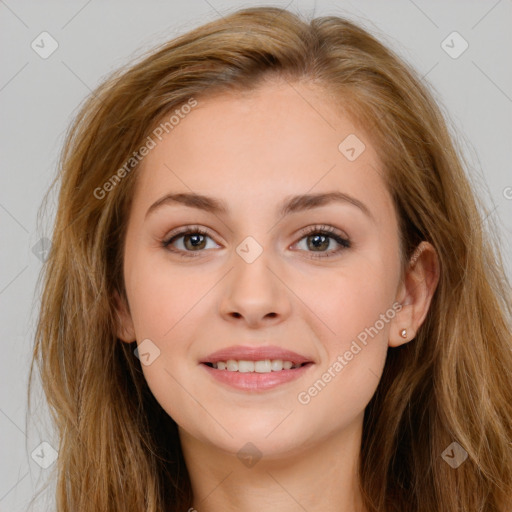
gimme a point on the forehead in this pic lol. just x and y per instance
(255, 147)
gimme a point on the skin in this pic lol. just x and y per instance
(252, 150)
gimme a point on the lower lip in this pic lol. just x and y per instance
(253, 381)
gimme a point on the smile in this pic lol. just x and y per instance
(251, 380)
(261, 366)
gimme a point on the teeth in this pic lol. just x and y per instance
(263, 366)
(245, 366)
(276, 365)
(232, 366)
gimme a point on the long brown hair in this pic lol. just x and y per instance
(118, 448)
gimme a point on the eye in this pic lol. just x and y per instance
(194, 240)
(320, 237)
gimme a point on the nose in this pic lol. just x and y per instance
(255, 294)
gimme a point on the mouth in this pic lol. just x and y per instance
(255, 368)
(259, 366)
(247, 380)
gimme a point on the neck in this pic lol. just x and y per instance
(322, 477)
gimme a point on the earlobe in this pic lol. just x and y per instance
(402, 331)
(400, 336)
(417, 290)
(124, 325)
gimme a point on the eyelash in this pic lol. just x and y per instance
(328, 231)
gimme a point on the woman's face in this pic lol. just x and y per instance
(287, 180)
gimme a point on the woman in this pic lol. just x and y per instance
(269, 286)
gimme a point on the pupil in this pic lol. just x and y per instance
(316, 240)
(195, 240)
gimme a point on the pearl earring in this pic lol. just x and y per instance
(403, 333)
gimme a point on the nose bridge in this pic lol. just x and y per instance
(254, 292)
(251, 261)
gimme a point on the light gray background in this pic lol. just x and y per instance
(38, 98)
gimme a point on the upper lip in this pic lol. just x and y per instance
(260, 353)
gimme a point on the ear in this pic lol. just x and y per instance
(124, 326)
(415, 294)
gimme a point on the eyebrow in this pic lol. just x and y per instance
(290, 205)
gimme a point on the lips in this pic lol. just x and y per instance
(247, 353)
(289, 367)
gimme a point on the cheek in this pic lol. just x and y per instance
(171, 390)
(161, 295)
(354, 357)
(355, 308)
(349, 302)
